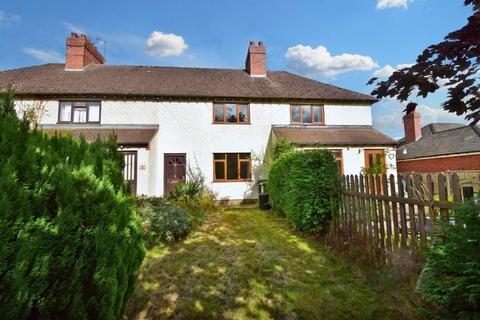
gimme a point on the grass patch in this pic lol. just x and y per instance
(247, 264)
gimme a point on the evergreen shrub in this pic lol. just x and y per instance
(305, 187)
(70, 240)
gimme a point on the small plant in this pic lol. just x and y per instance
(304, 186)
(194, 195)
(451, 275)
(378, 166)
(162, 221)
(280, 147)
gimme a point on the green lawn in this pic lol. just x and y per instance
(247, 264)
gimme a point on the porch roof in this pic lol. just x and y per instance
(126, 135)
(334, 136)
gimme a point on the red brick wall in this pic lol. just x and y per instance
(256, 59)
(440, 164)
(81, 52)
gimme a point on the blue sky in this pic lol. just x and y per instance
(339, 42)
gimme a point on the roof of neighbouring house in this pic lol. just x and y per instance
(334, 136)
(126, 135)
(141, 82)
(439, 139)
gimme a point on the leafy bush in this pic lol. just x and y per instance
(70, 240)
(194, 195)
(281, 146)
(304, 185)
(451, 275)
(162, 221)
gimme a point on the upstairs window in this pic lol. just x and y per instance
(306, 114)
(231, 113)
(229, 167)
(79, 112)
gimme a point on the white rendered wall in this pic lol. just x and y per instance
(186, 127)
(354, 159)
(348, 115)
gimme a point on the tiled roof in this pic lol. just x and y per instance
(125, 136)
(441, 139)
(334, 136)
(169, 82)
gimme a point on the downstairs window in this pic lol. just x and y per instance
(228, 167)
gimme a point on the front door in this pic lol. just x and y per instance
(130, 170)
(175, 171)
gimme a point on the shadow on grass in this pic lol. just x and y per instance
(245, 264)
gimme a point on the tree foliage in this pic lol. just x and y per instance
(70, 240)
(451, 276)
(304, 185)
(454, 63)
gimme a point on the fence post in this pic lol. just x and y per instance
(394, 212)
(388, 220)
(421, 210)
(442, 192)
(380, 212)
(411, 215)
(403, 213)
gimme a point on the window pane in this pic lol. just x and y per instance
(218, 109)
(244, 155)
(219, 170)
(218, 156)
(306, 114)
(244, 170)
(80, 115)
(242, 113)
(317, 114)
(295, 113)
(94, 112)
(231, 113)
(232, 166)
(65, 111)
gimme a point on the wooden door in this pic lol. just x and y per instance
(130, 170)
(175, 171)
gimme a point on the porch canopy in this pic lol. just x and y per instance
(334, 136)
(140, 135)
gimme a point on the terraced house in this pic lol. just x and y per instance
(218, 121)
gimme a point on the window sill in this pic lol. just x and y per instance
(77, 123)
(318, 124)
(229, 181)
(233, 123)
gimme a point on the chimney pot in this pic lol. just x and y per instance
(255, 64)
(412, 128)
(81, 52)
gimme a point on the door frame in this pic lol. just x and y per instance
(135, 167)
(165, 155)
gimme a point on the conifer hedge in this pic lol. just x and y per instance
(305, 187)
(70, 240)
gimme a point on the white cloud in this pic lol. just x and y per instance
(73, 28)
(8, 19)
(391, 123)
(318, 61)
(43, 55)
(165, 44)
(388, 70)
(385, 4)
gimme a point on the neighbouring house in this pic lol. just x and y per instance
(441, 147)
(217, 121)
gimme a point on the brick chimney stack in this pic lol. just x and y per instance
(411, 125)
(81, 52)
(256, 59)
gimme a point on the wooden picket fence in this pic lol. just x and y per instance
(396, 214)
